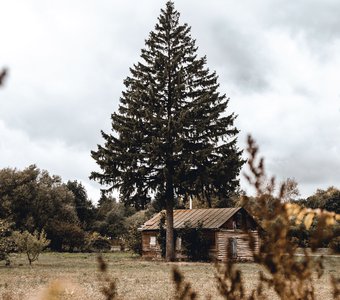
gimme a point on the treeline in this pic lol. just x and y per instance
(33, 200)
(324, 200)
(328, 200)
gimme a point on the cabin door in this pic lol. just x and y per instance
(232, 247)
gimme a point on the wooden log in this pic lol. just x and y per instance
(243, 250)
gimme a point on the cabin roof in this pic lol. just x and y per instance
(211, 218)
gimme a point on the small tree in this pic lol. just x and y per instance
(31, 244)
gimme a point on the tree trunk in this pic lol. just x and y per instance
(169, 198)
(29, 258)
(170, 249)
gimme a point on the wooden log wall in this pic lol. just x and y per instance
(220, 251)
(243, 251)
(148, 250)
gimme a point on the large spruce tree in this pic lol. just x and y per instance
(171, 136)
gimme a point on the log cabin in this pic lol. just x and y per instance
(226, 230)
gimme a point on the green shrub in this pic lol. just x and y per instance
(195, 244)
(65, 236)
(133, 237)
(97, 243)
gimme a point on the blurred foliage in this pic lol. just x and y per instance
(290, 276)
(183, 289)
(335, 244)
(3, 75)
(108, 284)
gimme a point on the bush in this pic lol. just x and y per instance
(74, 238)
(133, 236)
(97, 243)
(299, 235)
(195, 245)
(134, 240)
(31, 244)
(335, 244)
(65, 236)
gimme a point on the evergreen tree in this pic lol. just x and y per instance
(171, 136)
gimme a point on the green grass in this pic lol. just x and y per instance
(77, 274)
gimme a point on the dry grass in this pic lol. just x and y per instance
(75, 276)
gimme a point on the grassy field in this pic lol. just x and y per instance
(77, 276)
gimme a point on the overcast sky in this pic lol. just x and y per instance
(278, 61)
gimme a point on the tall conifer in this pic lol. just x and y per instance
(171, 136)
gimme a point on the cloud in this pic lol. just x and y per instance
(319, 20)
(18, 150)
(277, 60)
(316, 22)
(232, 38)
(244, 63)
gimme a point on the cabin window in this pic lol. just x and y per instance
(153, 241)
(179, 243)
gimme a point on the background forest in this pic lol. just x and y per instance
(32, 199)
